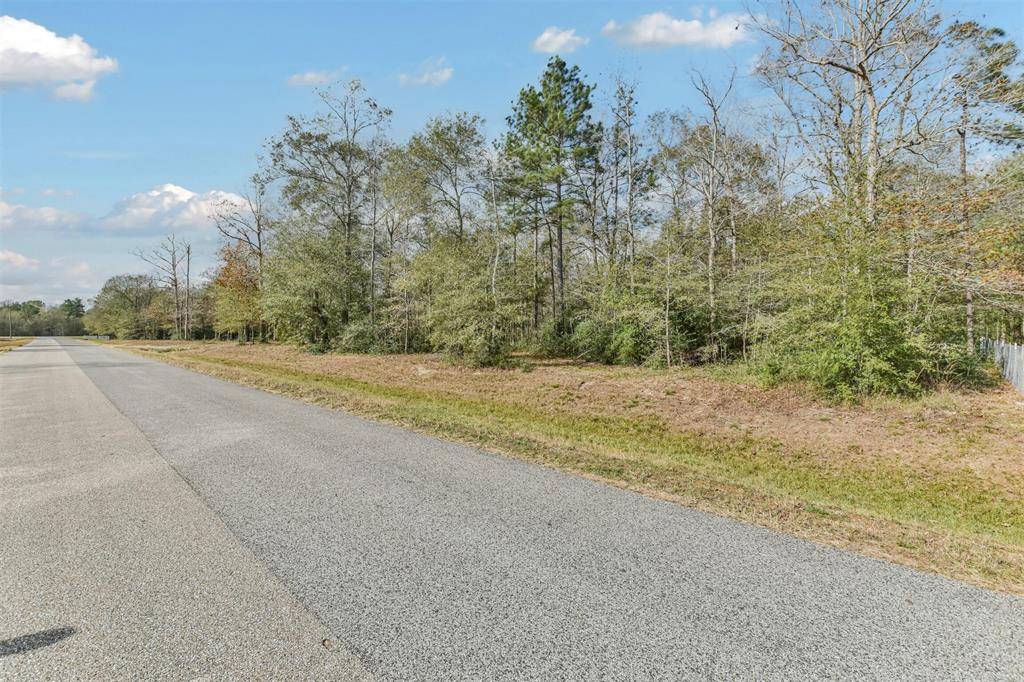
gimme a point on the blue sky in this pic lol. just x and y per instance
(198, 87)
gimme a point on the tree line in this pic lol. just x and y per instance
(35, 318)
(847, 235)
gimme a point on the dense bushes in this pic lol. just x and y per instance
(464, 314)
(860, 326)
(621, 329)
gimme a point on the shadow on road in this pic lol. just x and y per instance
(36, 640)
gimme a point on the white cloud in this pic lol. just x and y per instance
(16, 216)
(16, 260)
(555, 39)
(34, 56)
(52, 281)
(75, 92)
(431, 72)
(659, 29)
(75, 274)
(141, 217)
(167, 208)
(311, 78)
(54, 192)
(12, 192)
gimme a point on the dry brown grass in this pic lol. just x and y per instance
(953, 463)
(7, 343)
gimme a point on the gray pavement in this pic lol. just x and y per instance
(111, 567)
(423, 559)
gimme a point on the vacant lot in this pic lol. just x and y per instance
(937, 483)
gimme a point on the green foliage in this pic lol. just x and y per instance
(130, 307)
(857, 327)
(446, 162)
(688, 241)
(73, 307)
(620, 328)
(357, 337)
(236, 290)
(34, 318)
(549, 341)
(551, 138)
(309, 279)
(462, 317)
(864, 352)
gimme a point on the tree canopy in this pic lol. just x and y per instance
(849, 235)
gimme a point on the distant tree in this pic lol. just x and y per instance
(326, 164)
(448, 158)
(248, 227)
(236, 292)
(631, 174)
(172, 263)
(73, 307)
(249, 224)
(31, 308)
(124, 307)
(550, 130)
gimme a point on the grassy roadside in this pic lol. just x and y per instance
(8, 343)
(949, 520)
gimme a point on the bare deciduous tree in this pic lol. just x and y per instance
(172, 262)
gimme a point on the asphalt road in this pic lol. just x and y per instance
(111, 567)
(182, 525)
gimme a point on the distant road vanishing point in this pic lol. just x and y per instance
(161, 523)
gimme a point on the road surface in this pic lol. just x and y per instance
(157, 522)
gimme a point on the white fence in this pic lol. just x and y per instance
(1009, 357)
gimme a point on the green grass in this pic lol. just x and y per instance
(647, 453)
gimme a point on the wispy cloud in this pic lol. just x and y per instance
(17, 216)
(16, 260)
(659, 29)
(23, 277)
(432, 72)
(555, 39)
(312, 78)
(75, 92)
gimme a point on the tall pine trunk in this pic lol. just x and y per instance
(965, 222)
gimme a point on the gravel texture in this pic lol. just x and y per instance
(430, 560)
